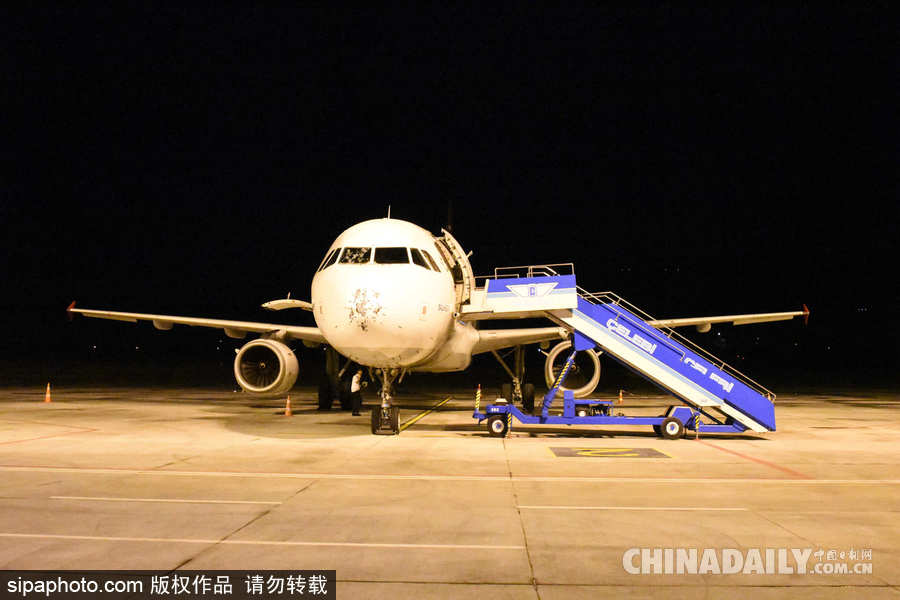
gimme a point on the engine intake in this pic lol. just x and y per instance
(266, 367)
(585, 373)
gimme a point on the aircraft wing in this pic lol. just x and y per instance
(703, 324)
(497, 339)
(233, 329)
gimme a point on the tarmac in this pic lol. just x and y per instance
(168, 479)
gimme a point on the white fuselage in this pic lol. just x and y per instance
(385, 297)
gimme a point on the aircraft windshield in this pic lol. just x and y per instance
(417, 258)
(330, 259)
(391, 256)
(431, 261)
(356, 256)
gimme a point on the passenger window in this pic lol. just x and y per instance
(328, 260)
(417, 258)
(391, 256)
(431, 261)
(356, 256)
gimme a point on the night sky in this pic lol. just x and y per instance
(199, 159)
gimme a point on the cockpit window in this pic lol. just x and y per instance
(391, 256)
(329, 259)
(417, 258)
(431, 261)
(356, 256)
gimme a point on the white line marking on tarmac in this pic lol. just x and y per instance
(624, 508)
(257, 542)
(518, 478)
(175, 500)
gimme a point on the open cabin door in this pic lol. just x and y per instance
(459, 265)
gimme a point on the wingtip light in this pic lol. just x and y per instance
(70, 313)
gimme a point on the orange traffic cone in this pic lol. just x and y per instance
(47, 397)
(287, 408)
(620, 397)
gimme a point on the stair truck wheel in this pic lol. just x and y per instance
(325, 397)
(395, 419)
(528, 397)
(498, 426)
(672, 428)
(506, 392)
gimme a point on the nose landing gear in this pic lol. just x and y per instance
(386, 418)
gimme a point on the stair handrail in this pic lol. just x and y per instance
(549, 270)
(612, 298)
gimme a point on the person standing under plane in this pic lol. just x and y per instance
(355, 395)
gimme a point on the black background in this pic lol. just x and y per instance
(195, 159)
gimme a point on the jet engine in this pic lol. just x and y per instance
(585, 373)
(266, 367)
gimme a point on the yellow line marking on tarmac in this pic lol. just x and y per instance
(424, 414)
(506, 478)
(625, 508)
(257, 542)
(174, 500)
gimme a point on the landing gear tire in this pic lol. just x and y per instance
(506, 392)
(376, 419)
(395, 419)
(498, 426)
(528, 397)
(325, 397)
(346, 401)
(672, 428)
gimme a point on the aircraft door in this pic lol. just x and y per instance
(460, 267)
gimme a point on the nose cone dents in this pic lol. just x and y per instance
(378, 326)
(365, 307)
(374, 315)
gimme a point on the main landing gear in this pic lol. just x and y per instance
(386, 418)
(517, 392)
(332, 387)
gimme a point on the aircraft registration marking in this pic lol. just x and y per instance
(562, 452)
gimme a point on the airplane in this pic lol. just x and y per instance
(392, 297)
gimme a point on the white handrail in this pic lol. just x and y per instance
(611, 298)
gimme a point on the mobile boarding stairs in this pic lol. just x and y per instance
(730, 402)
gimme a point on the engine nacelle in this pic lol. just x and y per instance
(266, 367)
(585, 373)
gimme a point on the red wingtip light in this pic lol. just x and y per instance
(805, 315)
(70, 313)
